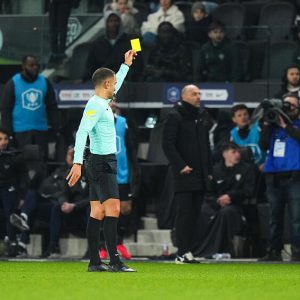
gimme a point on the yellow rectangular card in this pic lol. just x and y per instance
(136, 45)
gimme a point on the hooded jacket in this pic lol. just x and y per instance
(108, 53)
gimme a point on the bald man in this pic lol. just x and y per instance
(186, 145)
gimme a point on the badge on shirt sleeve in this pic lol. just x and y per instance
(279, 149)
(91, 113)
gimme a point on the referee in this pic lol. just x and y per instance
(98, 123)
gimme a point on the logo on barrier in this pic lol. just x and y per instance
(32, 99)
(74, 29)
(173, 94)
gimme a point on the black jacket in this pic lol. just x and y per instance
(185, 142)
(219, 63)
(11, 164)
(238, 182)
(103, 54)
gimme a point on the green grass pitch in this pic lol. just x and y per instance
(69, 280)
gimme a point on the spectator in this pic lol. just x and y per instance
(186, 145)
(197, 26)
(10, 169)
(107, 51)
(282, 174)
(71, 205)
(246, 134)
(55, 201)
(168, 12)
(28, 103)
(170, 59)
(218, 59)
(232, 183)
(34, 173)
(59, 13)
(127, 12)
(290, 81)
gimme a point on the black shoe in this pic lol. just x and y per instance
(120, 267)
(21, 252)
(99, 268)
(53, 252)
(272, 255)
(19, 222)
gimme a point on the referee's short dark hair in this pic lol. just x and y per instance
(102, 74)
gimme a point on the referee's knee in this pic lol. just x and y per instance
(112, 208)
(97, 213)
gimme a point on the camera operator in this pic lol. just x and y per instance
(282, 173)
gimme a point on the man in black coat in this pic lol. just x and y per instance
(186, 145)
(233, 183)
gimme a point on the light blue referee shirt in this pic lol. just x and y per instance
(98, 123)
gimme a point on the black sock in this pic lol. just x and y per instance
(110, 234)
(93, 235)
(102, 240)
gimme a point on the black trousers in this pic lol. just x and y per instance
(221, 225)
(187, 219)
(59, 13)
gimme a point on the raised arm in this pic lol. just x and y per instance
(128, 59)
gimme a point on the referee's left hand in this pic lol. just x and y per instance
(129, 57)
(74, 175)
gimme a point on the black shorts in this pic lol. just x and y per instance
(124, 191)
(102, 176)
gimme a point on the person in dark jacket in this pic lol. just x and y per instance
(10, 167)
(218, 59)
(54, 201)
(290, 81)
(29, 106)
(282, 175)
(198, 24)
(233, 182)
(186, 145)
(170, 60)
(106, 51)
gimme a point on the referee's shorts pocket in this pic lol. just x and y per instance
(97, 167)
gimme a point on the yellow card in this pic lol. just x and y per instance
(136, 45)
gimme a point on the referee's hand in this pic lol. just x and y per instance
(74, 175)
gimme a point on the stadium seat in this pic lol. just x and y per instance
(276, 19)
(78, 61)
(277, 58)
(195, 50)
(232, 15)
(244, 55)
(256, 58)
(155, 152)
(185, 7)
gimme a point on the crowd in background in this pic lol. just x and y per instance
(36, 197)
